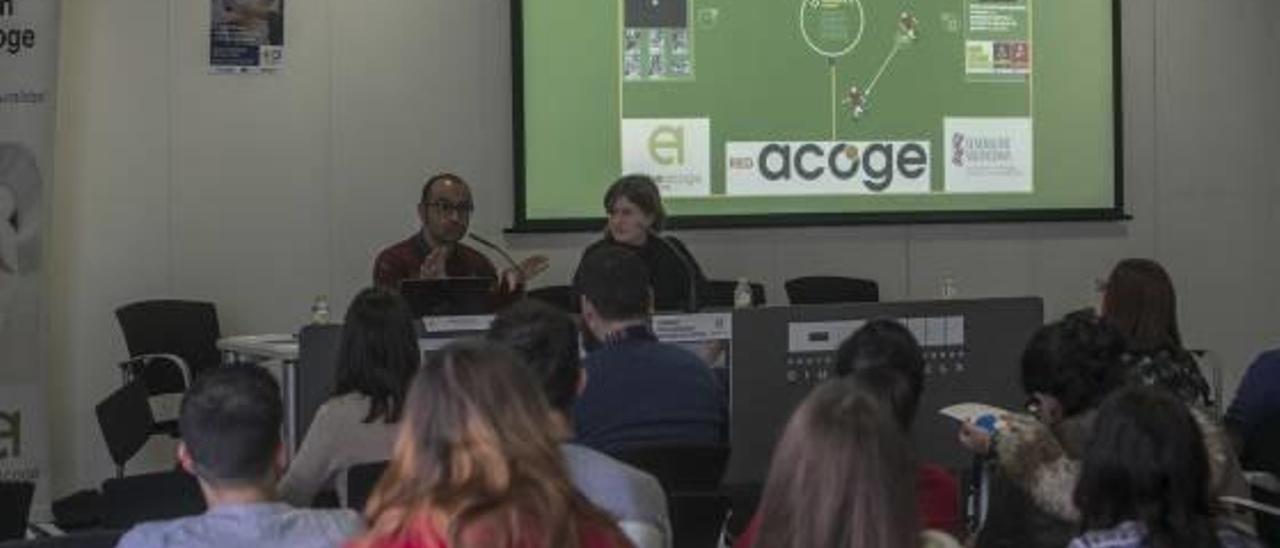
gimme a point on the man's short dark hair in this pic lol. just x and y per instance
(547, 340)
(880, 346)
(230, 423)
(616, 282)
(437, 178)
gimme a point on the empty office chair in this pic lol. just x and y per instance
(831, 289)
(559, 296)
(15, 508)
(690, 475)
(719, 294)
(169, 343)
(361, 480)
(126, 422)
(147, 497)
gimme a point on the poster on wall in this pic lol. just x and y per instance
(246, 36)
(28, 74)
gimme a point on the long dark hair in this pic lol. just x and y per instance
(841, 476)
(379, 352)
(475, 455)
(1146, 462)
(884, 344)
(1140, 302)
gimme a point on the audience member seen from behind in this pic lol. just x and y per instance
(1145, 477)
(476, 464)
(840, 476)
(640, 391)
(1139, 301)
(1256, 404)
(636, 218)
(885, 357)
(230, 423)
(1068, 368)
(377, 358)
(547, 340)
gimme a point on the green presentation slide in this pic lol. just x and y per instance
(819, 111)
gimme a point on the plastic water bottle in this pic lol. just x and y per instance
(742, 294)
(949, 289)
(320, 310)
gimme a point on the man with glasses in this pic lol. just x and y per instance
(436, 250)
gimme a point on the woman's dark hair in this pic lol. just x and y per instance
(1140, 302)
(841, 475)
(1078, 360)
(379, 352)
(884, 344)
(1146, 462)
(641, 191)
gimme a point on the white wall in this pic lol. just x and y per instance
(260, 192)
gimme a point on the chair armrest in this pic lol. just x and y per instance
(1265, 481)
(129, 366)
(1250, 504)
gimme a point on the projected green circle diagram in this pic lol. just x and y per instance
(832, 28)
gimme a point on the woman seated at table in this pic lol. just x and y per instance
(636, 218)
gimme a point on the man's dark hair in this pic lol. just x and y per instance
(616, 282)
(431, 182)
(1078, 360)
(230, 423)
(547, 340)
(887, 356)
(379, 352)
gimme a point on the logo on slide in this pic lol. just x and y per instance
(676, 152)
(988, 155)
(666, 145)
(811, 168)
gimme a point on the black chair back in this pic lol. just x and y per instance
(361, 480)
(1261, 453)
(187, 329)
(679, 467)
(559, 296)
(719, 294)
(146, 497)
(316, 370)
(15, 508)
(79, 539)
(125, 421)
(690, 475)
(831, 289)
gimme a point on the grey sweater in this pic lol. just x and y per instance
(338, 439)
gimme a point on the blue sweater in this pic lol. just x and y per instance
(643, 392)
(1258, 397)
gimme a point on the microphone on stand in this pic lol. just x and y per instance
(502, 253)
(691, 304)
